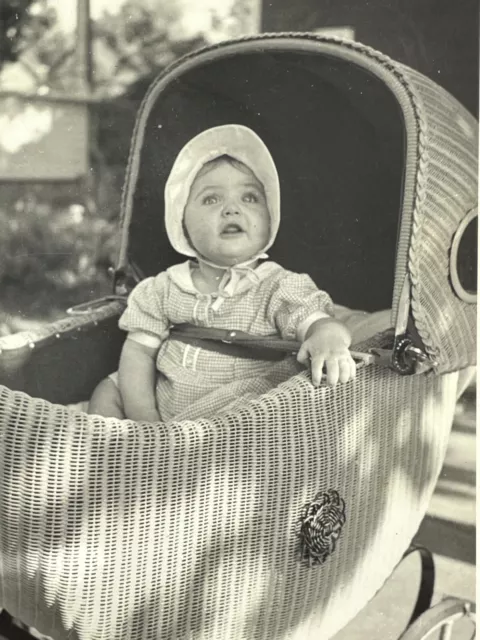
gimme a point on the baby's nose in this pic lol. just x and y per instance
(231, 208)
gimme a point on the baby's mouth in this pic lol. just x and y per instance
(231, 229)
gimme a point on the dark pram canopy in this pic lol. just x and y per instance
(337, 137)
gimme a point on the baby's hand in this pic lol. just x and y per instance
(326, 343)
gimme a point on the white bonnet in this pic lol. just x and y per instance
(236, 141)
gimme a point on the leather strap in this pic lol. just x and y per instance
(240, 344)
(234, 343)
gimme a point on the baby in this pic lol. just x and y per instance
(222, 207)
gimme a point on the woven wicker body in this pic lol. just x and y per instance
(122, 530)
(283, 519)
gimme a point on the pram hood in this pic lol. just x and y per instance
(240, 143)
(377, 167)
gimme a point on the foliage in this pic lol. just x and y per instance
(56, 251)
(53, 257)
(13, 17)
(130, 41)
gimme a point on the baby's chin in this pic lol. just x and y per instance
(231, 260)
(229, 254)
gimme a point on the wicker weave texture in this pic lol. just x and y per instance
(132, 531)
(446, 192)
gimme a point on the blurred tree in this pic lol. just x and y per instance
(37, 45)
(133, 43)
(57, 243)
(133, 39)
(52, 256)
(13, 18)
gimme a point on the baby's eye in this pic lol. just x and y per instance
(251, 196)
(210, 199)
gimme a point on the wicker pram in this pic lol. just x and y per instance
(283, 519)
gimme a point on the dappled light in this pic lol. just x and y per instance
(23, 125)
(192, 479)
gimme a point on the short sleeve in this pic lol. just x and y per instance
(295, 303)
(145, 318)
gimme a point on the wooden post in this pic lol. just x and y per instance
(84, 61)
(84, 47)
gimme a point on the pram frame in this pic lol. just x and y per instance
(112, 309)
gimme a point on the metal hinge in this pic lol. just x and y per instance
(126, 278)
(405, 357)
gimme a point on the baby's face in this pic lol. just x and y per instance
(226, 215)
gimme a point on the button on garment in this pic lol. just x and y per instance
(193, 382)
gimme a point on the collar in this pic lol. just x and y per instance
(237, 279)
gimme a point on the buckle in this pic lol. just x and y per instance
(232, 335)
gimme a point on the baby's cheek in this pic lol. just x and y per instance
(198, 228)
(205, 232)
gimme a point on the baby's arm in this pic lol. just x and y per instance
(136, 379)
(147, 325)
(302, 311)
(326, 343)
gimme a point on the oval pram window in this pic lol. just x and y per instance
(463, 258)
